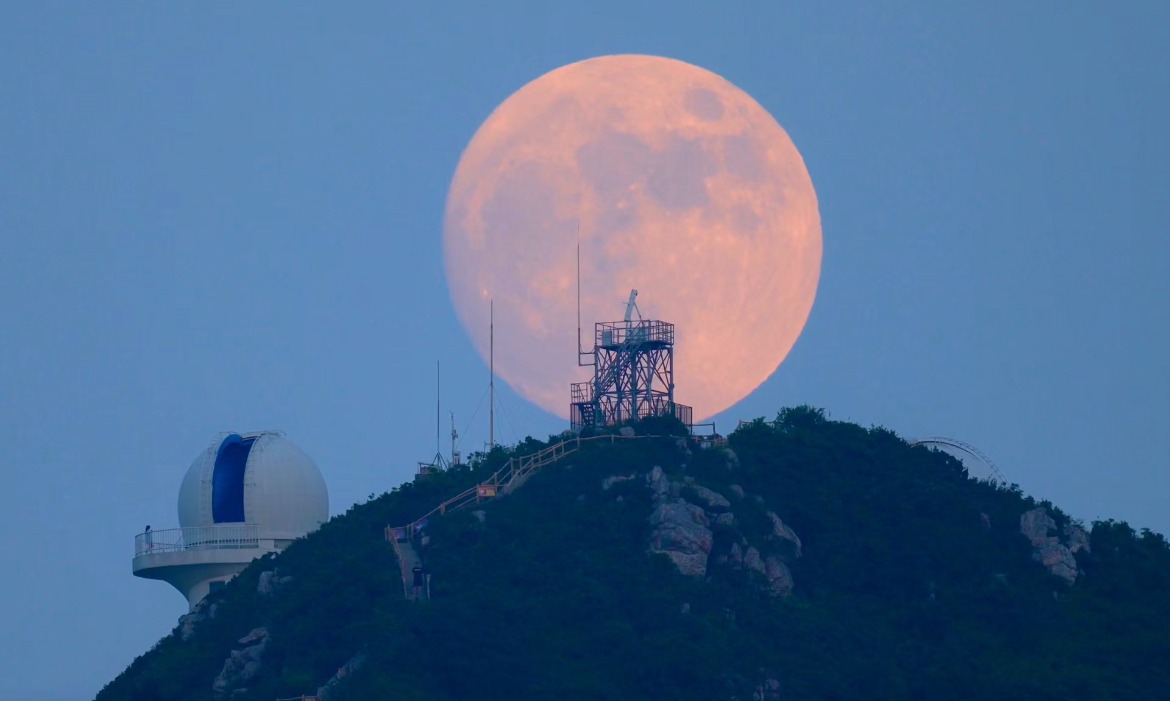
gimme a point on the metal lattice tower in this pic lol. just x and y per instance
(633, 374)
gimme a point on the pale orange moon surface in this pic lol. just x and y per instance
(681, 186)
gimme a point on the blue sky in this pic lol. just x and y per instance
(229, 218)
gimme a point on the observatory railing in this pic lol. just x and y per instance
(233, 536)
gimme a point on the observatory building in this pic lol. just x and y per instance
(246, 495)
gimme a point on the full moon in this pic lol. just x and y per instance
(677, 184)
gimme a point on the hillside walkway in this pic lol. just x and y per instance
(506, 480)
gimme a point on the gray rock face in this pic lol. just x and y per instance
(270, 582)
(189, 622)
(753, 561)
(243, 664)
(726, 519)
(782, 531)
(627, 432)
(779, 577)
(736, 490)
(712, 500)
(735, 556)
(681, 531)
(479, 515)
(1056, 557)
(657, 481)
(614, 479)
(768, 690)
(1077, 539)
(1035, 525)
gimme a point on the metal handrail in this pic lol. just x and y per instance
(515, 469)
(234, 536)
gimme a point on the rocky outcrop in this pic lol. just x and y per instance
(1057, 557)
(711, 500)
(736, 490)
(681, 528)
(1035, 525)
(614, 479)
(270, 582)
(243, 664)
(1076, 538)
(657, 482)
(189, 622)
(779, 577)
(682, 532)
(767, 690)
(784, 532)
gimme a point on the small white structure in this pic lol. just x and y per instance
(245, 496)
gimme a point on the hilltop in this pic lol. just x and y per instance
(806, 559)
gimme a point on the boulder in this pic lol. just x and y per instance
(1077, 539)
(1035, 525)
(1059, 561)
(479, 515)
(735, 555)
(779, 577)
(736, 490)
(726, 519)
(711, 500)
(270, 582)
(782, 531)
(753, 561)
(627, 432)
(614, 479)
(657, 482)
(1057, 558)
(681, 532)
(243, 664)
(189, 622)
(767, 690)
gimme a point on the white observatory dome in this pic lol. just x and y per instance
(258, 479)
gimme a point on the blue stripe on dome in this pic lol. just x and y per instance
(227, 480)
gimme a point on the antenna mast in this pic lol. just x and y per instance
(580, 353)
(492, 370)
(454, 435)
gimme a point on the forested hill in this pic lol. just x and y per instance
(807, 559)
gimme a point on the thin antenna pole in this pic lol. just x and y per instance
(578, 293)
(492, 370)
(454, 435)
(437, 394)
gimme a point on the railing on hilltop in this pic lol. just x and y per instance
(508, 476)
(232, 536)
